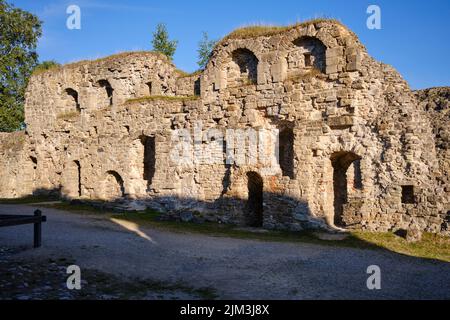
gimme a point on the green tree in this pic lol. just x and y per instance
(161, 42)
(205, 48)
(19, 33)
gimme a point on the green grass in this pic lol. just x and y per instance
(120, 55)
(431, 246)
(46, 66)
(265, 30)
(162, 98)
(299, 77)
(184, 74)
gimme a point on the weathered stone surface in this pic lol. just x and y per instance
(413, 234)
(357, 150)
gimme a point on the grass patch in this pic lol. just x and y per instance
(183, 74)
(262, 30)
(303, 76)
(162, 98)
(68, 115)
(29, 199)
(432, 246)
(120, 55)
(46, 66)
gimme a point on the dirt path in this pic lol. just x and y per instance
(235, 268)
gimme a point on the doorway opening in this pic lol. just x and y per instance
(347, 179)
(255, 200)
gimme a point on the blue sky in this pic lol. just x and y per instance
(414, 37)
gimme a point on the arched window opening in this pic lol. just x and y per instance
(108, 94)
(73, 103)
(114, 186)
(242, 69)
(309, 53)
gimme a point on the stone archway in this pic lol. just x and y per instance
(242, 68)
(113, 186)
(254, 208)
(71, 180)
(346, 178)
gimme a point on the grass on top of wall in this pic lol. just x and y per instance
(162, 98)
(121, 55)
(184, 74)
(266, 30)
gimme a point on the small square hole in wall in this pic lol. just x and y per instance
(308, 60)
(408, 194)
(315, 153)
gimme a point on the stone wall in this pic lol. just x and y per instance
(356, 149)
(436, 103)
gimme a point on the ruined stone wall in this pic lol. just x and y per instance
(17, 172)
(436, 103)
(356, 148)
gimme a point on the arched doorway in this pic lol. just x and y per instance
(106, 96)
(255, 200)
(346, 179)
(114, 186)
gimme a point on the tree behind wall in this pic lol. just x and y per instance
(205, 48)
(19, 33)
(161, 42)
(45, 65)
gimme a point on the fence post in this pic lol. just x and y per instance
(38, 229)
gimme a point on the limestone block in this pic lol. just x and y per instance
(262, 73)
(279, 71)
(354, 62)
(340, 122)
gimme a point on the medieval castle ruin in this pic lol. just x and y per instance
(356, 148)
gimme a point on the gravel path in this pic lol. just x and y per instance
(235, 268)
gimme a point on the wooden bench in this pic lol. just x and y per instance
(8, 220)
